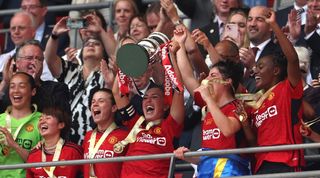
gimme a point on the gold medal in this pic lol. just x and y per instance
(118, 147)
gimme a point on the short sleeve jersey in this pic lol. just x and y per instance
(80, 89)
(158, 139)
(274, 122)
(27, 138)
(111, 170)
(70, 151)
(212, 137)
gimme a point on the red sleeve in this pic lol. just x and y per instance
(296, 92)
(172, 127)
(130, 123)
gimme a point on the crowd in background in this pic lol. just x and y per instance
(237, 77)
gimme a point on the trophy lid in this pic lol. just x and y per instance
(132, 59)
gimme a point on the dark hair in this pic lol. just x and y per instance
(232, 70)
(140, 18)
(280, 60)
(29, 77)
(153, 8)
(104, 23)
(104, 55)
(26, 43)
(62, 117)
(106, 90)
(43, 3)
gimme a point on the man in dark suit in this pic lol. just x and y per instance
(282, 18)
(261, 43)
(312, 31)
(38, 9)
(299, 5)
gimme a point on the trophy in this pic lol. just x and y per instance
(133, 59)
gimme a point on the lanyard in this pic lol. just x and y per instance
(132, 136)
(94, 148)
(56, 156)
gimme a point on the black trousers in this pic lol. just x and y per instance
(274, 167)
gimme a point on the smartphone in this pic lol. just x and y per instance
(77, 23)
(231, 31)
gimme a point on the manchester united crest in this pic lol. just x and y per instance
(112, 140)
(29, 127)
(157, 130)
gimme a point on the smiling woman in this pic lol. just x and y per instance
(53, 125)
(98, 143)
(18, 125)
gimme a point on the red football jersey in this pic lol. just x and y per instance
(70, 151)
(274, 126)
(111, 170)
(158, 139)
(211, 135)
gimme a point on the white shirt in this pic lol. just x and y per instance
(261, 46)
(303, 14)
(39, 32)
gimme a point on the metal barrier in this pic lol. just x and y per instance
(171, 156)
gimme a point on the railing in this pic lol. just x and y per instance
(188, 154)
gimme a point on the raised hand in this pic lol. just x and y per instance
(170, 9)
(270, 16)
(71, 54)
(107, 74)
(180, 34)
(201, 38)
(294, 25)
(9, 141)
(61, 26)
(247, 57)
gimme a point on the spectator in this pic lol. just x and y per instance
(124, 10)
(54, 125)
(222, 11)
(29, 59)
(239, 17)
(105, 135)
(22, 28)
(261, 44)
(38, 9)
(158, 20)
(159, 127)
(73, 54)
(138, 28)
(312, 37)
(19, 132)
(199, 11)
(81, 79)
(221, 126)
(277, 115)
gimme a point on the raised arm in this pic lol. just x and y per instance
(50, 53)
(177, 106)
(294, 74)
(108, 40)
(190, 82)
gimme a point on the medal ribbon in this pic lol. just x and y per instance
(56, 156)
(253, 101)
(123, 82)
(132, 136)
(94, 148)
